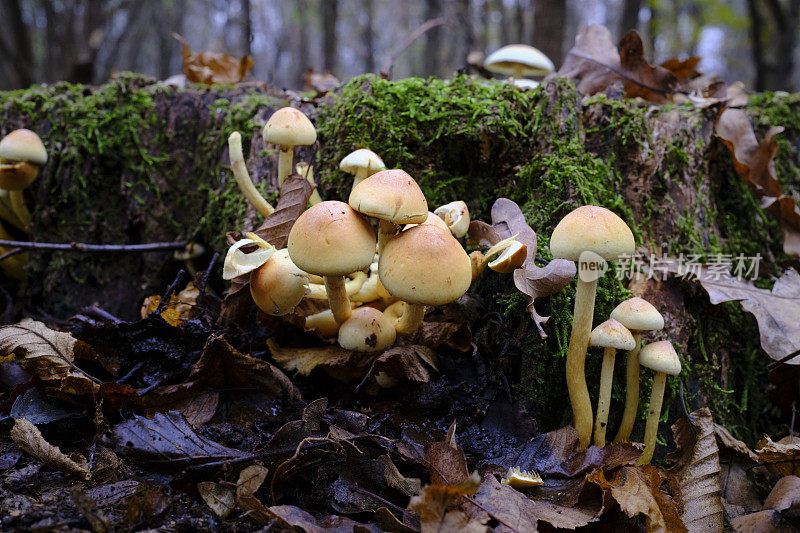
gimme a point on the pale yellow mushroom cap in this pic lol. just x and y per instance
(390, 195)
(510, 258)
(23, 145)
(612, 334)
(456, 216)
(425, 265)
(591, 228)
(361, 158)
(508, 59)
(367, 330)
(330, 239)
(638, 314)
(289, 127)
(661, 357)
(278, 285)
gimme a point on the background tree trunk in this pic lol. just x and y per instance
(549, 21)
(630, 16)
(330, 13)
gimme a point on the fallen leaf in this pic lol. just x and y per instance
(30, 440)
(39, 409)
(536, 282)
(435, 335)
(289, 516)
(342, 364)
(213, 67)
(683, 70)
(697, 470)
(438, 507)
(89, 510)
(594, 64)
(739, 492)
(508, 220)
(782, 457)
(481, 234)
(250, 480)
(780, 513)
(178, 310)
(220, 498)
(321, 82)
(396, 480)
(406, 363)
(446, 460)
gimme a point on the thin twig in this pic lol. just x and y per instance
(11, 253)
(784, 359)
(96, 248)
(172, 288)
(204, 278)
(794, 412)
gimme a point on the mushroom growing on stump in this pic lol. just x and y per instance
(519, 60)
(21, 155)
(456, 216)
(589, 235)
(362, 164)
(243, 177)
(367, 330)
(612, 336)
(637, 315)
(422, 266)
(278, 285)
(287, 128)
(331, 240)
(393, 197)
(661, 358)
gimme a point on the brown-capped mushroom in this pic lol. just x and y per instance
(661, 358)
(432, 219)
(367, 330)
(612, 336)
(278, 285)
(287, 128)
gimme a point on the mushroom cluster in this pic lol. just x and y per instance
(591, 236)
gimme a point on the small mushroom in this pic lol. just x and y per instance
(589, 235)
(323, 323)
(22, 153)
(243, 177)
(637, 315)
(237, 262)
(331, 240)
(612, 336)
(278, 285)
(362, 163)
(519, 60)
(456, 216)
(288, 127)
(661, 358)
(423, 266)
(367, 330)
(189, 253)
(521, 479)
(305, 170)
(432, 219)
(511, 258)
(394, 198)
(317, 291)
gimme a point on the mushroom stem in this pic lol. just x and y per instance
(18, 205)
(337, 298)
(361, 175)
(653, 414)
(243, 178)
(604, 400)
(7, 212)
(576, 358)
(411, 319)
(285, 160)
(631, 391)
(386, 230)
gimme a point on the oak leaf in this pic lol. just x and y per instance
(213, 67)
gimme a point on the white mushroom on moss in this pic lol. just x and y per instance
(362, 163)
(287, 128)
(661, 358)
(22, 153)
(519, 61)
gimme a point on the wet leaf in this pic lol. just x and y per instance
(396, 480)
(30, 440)
(179, 308)
(38, 409)
(780, 513)
(594, 64)
(739, 492)
(213, 67)
(443, 334)
(438, 507)
(289, 516)
(343, 364)
(697, 470)
(90, 510)
(406, 363)
(782, 457)
(220, 498)
(446, 460)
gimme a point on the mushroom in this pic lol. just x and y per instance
(317, 291)
(288, 127)
(423, 266)
(189, 253)
(511, 258)
(432, 219)
(243, 177)
(362, 163)
(637, 315)
(456, 216)
(612, 336)
(660, 357)
(323, 323)
(521, 479)
(393, 197)
(278, 285)
(519, 60)
(237, 262)
(305, 170)
(478, 262)
(589, 235)
(21, 155)
(367, 330)
(331, 240)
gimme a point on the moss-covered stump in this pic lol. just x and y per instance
(133, 161)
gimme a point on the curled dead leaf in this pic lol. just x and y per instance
(30, 440)
(782, 457)
(212, 67)
(220, 498)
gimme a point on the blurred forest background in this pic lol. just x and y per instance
(755, 41)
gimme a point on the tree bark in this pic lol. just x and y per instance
(433, 39)
(330, 13)
(19, 51)
(630, 16)
(368, 36)
(549, 21)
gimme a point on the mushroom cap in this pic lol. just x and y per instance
(278, 285)
(289, 127)
(425, 265)
(612, 334)
(330, 239)
(390, 195)
(433, 219)
(507, 59)
(510, 259)
(456, 216)
(638, 314)
(661, 357)
(591, 228)
(23, 145)
(361, 158)
(367, 330)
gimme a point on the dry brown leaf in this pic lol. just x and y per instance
(220, 498)
(536, 282)
(683, 70)
(213, 67)
(295, 192)
(30, 440)
(177, 310)
(48, 354)
(321, 82)
(482, 234)
(782, 457)
(697, 470)
(338, 362)
(594, 64)
(776, 311)
(438, 507)
(637, 490)
(739, 492)
(509, 220)
(406, 363)
(293, 518)
(407, 485)
(446, 461)
(250, 480)
(781, 511)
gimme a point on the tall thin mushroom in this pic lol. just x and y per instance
(288, 127)
(597, 230)
(661, 358)
(637, 315)
(243, 177)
